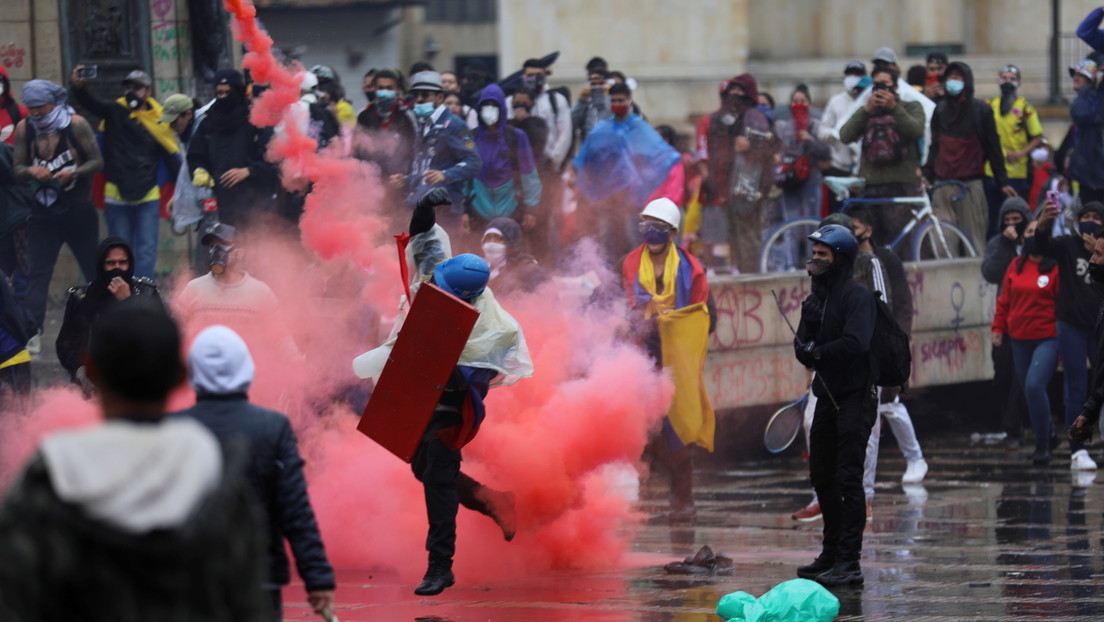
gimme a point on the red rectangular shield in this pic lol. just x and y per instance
(425, 353)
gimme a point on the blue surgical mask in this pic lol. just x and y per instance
(422, 110)
(384, 94)
(654, 234)
(954, 87)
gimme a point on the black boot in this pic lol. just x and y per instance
(436, 579)
(820, 565)
(843, 573)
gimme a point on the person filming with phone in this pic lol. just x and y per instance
(1078, 305)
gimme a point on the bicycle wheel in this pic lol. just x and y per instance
(773, 254)
(926, 246)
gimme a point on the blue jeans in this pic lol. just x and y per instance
(79, 228)
(1036, 360)
(1076, 347)
(138, 224)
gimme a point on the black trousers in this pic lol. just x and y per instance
(837, 450)
(438, 469)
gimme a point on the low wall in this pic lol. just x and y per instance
(751, 361)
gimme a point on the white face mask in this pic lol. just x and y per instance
(1040, 154)
(494, 253)
(489, 114)
(850, 82)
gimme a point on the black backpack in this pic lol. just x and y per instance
(889, 348)
(881, 142)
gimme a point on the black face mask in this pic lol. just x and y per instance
(1020, 227)
(115, 272)
(1096, 272)
(1008, 97)
(817, 267)
(132, 100)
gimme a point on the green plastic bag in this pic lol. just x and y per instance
(799, 600)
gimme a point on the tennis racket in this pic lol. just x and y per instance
(784, 425)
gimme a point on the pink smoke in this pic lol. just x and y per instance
(550, 439)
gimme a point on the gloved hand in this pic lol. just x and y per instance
(811, 310)
(805, 352)
(435, 197)
(202, 179)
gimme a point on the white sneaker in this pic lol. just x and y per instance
(34, 345)
(915, 472)
(1080, 461)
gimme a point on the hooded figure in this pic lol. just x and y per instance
(87, 302)
(220, 370)
(1000, 250)
(226, 141)
(508, 178)
(11, 111)
(512, 268)
(964, 134)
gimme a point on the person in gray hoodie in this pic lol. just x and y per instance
(999, 252)
(221, 372)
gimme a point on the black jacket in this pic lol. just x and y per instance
(131, 153)
(1079, 298)
(964, 117)
(275, 470)
(86, 303)
(387, 143)
(243, 146)
(838, 316)
(1095, 399)
(61, 565)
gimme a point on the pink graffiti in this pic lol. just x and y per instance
(768, 380)
(738, 321)
(950, 352)
(916, 284)
(162, 8)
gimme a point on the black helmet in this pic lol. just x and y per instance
(839, 239)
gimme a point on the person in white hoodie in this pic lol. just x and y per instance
(844, 157)
(138, 518)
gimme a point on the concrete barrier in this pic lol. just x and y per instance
(751, 361)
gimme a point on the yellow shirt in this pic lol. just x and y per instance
(1015, 129)
(22, 357)
(111, 191)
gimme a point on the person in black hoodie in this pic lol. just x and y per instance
(833, 338)
(999, 252)
(114, 281)
(964, 138)
(227, 153)
(220, 370)
(1079, 300)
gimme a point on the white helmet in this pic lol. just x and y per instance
(308, 83)
(664, 209)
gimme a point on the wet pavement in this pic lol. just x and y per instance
(986, 537)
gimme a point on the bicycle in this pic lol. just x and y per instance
(932, 237)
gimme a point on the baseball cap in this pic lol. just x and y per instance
(174, 106)
(854, 68)
(218, 232)
(936, 57)
(1086, 68)
(426, 81)
(138, 77)
(886, 55)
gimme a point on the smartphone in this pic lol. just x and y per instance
(933, 78)
(87, 72)
(1054, 197)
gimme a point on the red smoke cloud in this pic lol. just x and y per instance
(550, 439)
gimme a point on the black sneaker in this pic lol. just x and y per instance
(1041, 457)
(820, 565)
(436, 580)
(843, 573)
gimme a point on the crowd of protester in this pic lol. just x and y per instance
(528, 171)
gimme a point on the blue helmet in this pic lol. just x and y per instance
(839, 239)
(463, 276)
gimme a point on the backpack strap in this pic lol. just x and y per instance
(13, 111)
(512, 147)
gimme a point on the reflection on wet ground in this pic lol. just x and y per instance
(987, 537)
